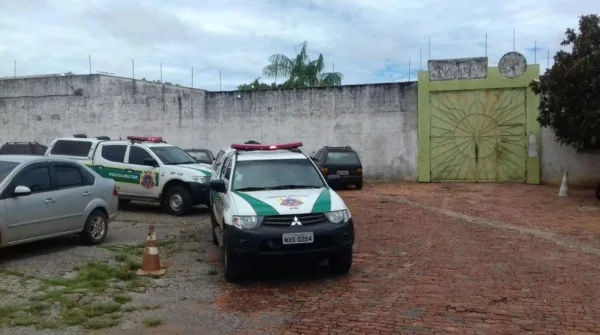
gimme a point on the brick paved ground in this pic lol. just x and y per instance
(448, 258)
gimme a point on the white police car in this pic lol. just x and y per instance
(271, 200)
(144, 168)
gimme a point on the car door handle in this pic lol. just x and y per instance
(49, 200)
(86, 193)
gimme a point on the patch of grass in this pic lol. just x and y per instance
(78, 296)
(151, 307)
(129, 308)
(121, 298)
(152, 322)
(100, 323)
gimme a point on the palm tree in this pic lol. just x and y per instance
(301, 71)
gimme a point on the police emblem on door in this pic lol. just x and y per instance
(296, 222)
(148, 180)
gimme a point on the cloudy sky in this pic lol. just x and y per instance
(368, 41)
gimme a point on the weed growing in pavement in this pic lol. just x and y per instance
(95, 298)
(152, 322)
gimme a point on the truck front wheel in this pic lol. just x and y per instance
(233, 268)
(340, 263)
(178, 200)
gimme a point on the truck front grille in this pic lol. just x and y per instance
(286, 220)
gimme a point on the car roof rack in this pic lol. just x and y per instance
(103, 138)
(19, 142)
(347, 147)
(80, 135)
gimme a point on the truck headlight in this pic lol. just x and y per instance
(338, 216)
(246, 221)
(201, 179)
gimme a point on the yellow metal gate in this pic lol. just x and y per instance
(478, 135)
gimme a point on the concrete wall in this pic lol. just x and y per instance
(582, 168)
(379, 121)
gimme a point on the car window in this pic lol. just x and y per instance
(342, 158)
(137, 155)
(6, 168)
(36, 178)
(219, 155)
(275, 173)
(114, 153)
(201, 156)
(15, 149)
(39, 149)
(224, 169)
(171, 155)
(67, 176)
(88, 177)
(71, 148)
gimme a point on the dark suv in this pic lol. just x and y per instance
(201, 155)
(23, 148)
(341, 166)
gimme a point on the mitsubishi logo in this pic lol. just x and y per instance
(296, 222)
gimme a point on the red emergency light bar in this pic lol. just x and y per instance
(154, 139)
(255, 147)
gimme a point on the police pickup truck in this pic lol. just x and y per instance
(144, 169)
(271, 201)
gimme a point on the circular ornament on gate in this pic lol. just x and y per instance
(512, 65)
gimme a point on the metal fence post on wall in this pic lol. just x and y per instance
(15, 69)
(429, 54)
(485, 44)
(90, 62)
(161, 73)
(192, 77)
(133, 68)
(514, 46)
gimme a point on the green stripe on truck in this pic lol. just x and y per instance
(261, 208)
(323, 202)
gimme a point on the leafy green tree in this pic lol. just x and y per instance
(570, 90)
(300, 71)
(256, 85)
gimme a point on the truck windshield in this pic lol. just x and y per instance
(6, 168)
(173, 155)
(275, 174)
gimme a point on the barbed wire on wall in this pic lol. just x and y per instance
(411, 72)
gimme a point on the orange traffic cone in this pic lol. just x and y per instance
(151, 261)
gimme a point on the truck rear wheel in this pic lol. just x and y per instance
(178, 200)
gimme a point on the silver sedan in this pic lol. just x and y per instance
(42, 197)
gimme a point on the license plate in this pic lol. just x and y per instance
(297, 238)
(342, 173)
